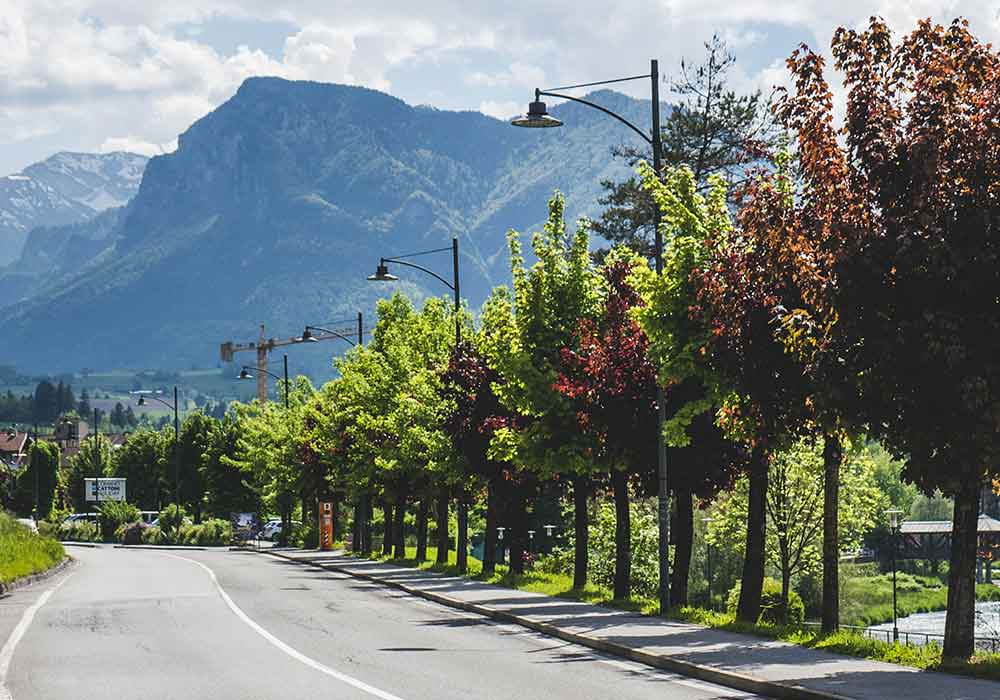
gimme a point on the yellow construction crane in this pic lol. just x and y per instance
(265, 345)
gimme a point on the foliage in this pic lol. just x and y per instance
(79, 531)
(145, 461)
(22, 552)
(171, 518)
(772, 605)
(709, 127)
(115, 514)
(43, 460)
(213, 532)
(644, 538)
(154, 535)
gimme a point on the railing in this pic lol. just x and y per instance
(991, 644)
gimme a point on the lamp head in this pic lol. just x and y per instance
(536, 118)
(141, 401)
(244, 374)
(382, 274)
(307, 335)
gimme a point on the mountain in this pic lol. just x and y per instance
(67, 188)
(276, 206)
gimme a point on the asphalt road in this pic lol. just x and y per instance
(148, 625)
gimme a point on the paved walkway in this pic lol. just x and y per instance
(752, 663)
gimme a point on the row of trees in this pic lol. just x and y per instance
(851, 291)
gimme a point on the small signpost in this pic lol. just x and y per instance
(111, 489)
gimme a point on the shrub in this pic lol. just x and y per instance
(78, 531)
(171, 519)
(209, 533)
(771, 608)
(114, 516)
(130, 534)
(306, 536)
(153, 535)
(47, 529)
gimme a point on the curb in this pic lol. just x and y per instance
(6, 588)
(730, 679)
(180, 547)
(89, 545)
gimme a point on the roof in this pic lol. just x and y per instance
(12, 443)
(943, 527)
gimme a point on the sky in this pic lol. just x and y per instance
(105, 75)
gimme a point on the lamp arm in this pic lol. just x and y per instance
(335, 333)
(397, 261)
(598, 107)
(165, 403)
(258, 369)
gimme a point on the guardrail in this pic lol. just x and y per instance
(991, 644)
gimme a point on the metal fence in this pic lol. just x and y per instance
(991, 644)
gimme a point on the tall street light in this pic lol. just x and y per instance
(382, 274)
(245, 373)
(538, 117)
(894, 523)
(143, 395)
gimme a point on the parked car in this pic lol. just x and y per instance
(29, 523)
(272, 529)
(148, 516)
(81, 517)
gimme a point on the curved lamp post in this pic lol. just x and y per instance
(246, 372)
(143, 395)
(538, 117)
(382, 274)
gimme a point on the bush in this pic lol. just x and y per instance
(306, 536)
(772, 610)
(22, 552)
(78, 531)
(131, 533)
(210, 533)
(153, 535)
(47, 529)
(171, 519)
(114, 516)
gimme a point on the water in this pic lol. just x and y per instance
(987, 624)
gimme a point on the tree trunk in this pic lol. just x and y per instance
(623, 538)
(422, 530)
(683, 545)
(517, 533)
(752, 582)
(442, 527)
(786, 588)
(490, 538)
(386, 528)
(581, 486)
(366, 524)
(959, 624)
(833, 455)
(462, 555)
(356, 527)
(398, 536)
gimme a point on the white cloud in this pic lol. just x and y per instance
(86, 73)
(501, 110)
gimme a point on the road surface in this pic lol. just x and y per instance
(213, 624)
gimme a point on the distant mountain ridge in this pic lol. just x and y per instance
(276, 206)
(67, 188)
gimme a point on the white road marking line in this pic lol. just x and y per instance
(295, 654)
(7, 652)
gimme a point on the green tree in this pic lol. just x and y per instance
(144, 461)
(710, 128)
(37, 482)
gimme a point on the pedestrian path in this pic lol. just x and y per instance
(754, 664)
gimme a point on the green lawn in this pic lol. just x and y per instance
(867, 600)
(22, 552)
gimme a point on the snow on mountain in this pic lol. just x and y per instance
(63, 189)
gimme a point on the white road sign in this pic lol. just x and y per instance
(112, 489)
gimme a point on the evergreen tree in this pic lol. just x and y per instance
(83, 408)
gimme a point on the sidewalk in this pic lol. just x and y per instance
(752, 664)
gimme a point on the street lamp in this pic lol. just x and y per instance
(531, 539)
(382, 274)
(548, 535)
(538, 117)
(894, 523)
(708, 545)
(500, 556)
(143, 395)
(245, 373)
